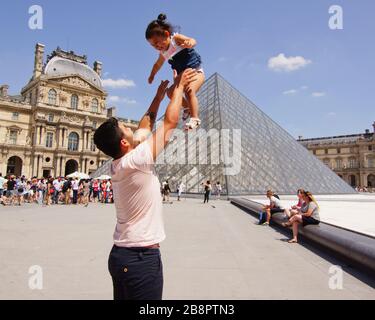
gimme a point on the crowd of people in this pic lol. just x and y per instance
(364, 189)
(305, 212)
(165, 190)
(51, 191)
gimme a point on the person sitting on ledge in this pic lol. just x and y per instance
(296, 208)
(275, 206)
(309, 215)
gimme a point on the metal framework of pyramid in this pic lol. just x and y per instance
(270, 157)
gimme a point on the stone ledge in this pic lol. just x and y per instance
(353, 246)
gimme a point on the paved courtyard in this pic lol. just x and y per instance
(212, 251)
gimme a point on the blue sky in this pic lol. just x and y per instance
(331, 90)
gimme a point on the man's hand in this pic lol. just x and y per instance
(182, 80)
(162, 90)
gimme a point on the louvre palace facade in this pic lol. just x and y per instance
(47, 130)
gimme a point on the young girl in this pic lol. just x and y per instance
(178, 50)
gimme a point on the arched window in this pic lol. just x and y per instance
(94, 105)
(73, 141)
(74, 102)
(52, 94)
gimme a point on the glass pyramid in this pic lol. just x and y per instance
(263, 155)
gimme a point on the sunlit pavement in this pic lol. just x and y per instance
(212, 251)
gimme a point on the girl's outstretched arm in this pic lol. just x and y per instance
(155, 69)
(184, 41)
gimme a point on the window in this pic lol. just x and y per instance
(73, 141)
(13, 137)
(371, 162)
(369, 148)
(338, 150)
(74, 102)
(338, 163)
(94, 105)
(52, 97)
(94, 124)
(49, 140)
(15, 116)
(352, 163)
(50, 117)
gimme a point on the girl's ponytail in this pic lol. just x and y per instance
(158, 27)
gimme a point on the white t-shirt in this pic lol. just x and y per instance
(75, 184)
(276, 202)
(2, 181)
(138, 202)
(57, 185)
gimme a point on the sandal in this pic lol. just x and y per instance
(186, 114)
(286, 224)
(192, 124)
(292, 241)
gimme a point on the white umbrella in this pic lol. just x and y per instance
(79, 175)
(103, 177)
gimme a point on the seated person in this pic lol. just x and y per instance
(296, 208)
(275, 206)
(309, 215)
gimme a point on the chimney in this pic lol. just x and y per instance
(38, 62)
(111, 112)
(300, 137)
(4, 90)
(98, 68)
(367, 131)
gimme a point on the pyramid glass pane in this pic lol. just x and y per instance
(270, 158)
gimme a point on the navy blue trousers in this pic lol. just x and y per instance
(137, 273)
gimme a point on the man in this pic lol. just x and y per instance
(180, 190)
(57, 189)
(2, 181)
(10, 194)
(135, 262)
(75, 187)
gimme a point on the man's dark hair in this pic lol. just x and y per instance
(107, 138)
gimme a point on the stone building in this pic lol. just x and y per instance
(352, 157)
(48, 129)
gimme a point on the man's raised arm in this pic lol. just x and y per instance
(161, 136)
(148, 120)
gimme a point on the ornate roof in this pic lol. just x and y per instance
(62, 63)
